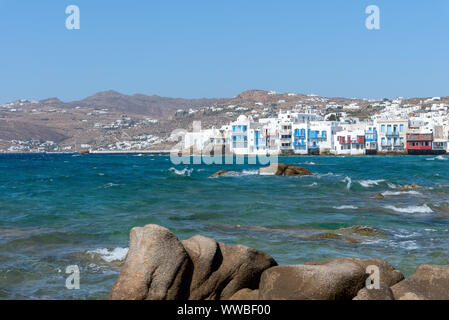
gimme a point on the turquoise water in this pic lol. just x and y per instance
(61, 210)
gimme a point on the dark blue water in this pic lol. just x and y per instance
(61, 210)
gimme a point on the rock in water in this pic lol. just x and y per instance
(281, 169)
(219, 173)
(429, 282)
(221, 270)
(330, 281)
(383, 293)
(225, 173)
(387, 273)
(157, 267)
(378, 196)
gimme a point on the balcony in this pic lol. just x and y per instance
(300, 135)
(420, 137)
(393, 146)
(392, 134)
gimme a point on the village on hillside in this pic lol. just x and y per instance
(397, 129)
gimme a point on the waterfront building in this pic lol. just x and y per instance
(371, 139)
(349, 142)
(392, 134)
(293, 132)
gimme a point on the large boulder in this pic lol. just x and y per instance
(383, 293)
(281, 169)
(222, 270)
(330, 281)
(429, 282)
(387, 273)
(157, 267)
(245, 294)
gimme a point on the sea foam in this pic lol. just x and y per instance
(184, 172)
(411, 209)
(344, 207)
(370, 183)
(109, 255)
(398, 193)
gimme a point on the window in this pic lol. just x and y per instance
(401, 128)
(382, 128)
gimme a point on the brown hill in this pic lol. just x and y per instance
(154, 105)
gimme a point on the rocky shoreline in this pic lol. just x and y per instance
(159, 266)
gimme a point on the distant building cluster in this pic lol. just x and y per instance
(397, 129)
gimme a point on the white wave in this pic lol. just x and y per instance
(370, 183)
(310, 163)
(349, 182)
(109, 255)
(411, 209)
(344, 207)
(391, 185)
(109, 185)
(250, 172)
(440, 157)
(405, 234)
(398, 193)
(408, 245)
(184, 172)
(312, 184)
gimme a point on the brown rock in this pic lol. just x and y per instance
(281, 169)
(331, 281)
(410, 187)
(221, 270)
(157, 267)
(219, 173)
(378, 196)
(245, 294)
(429, 282)
(225, 173)
(388, 274)
(383, 293)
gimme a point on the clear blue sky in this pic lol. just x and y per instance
(219, 48)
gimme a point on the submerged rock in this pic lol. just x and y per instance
(220, 270)
(410, 187)
(429, 282)
(325, 235)
(281, 169)
(352, 234)
(219, 173)
(225, 173)
(333, 280)
(361, 230)
(378, 196)
(157, 267)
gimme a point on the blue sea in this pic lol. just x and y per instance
(62, 210)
